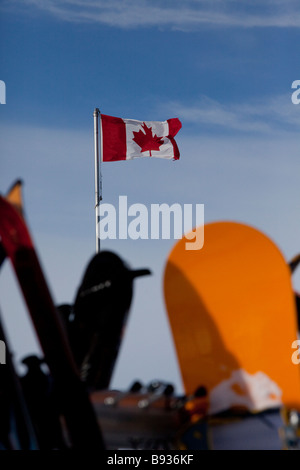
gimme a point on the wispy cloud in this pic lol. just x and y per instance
(174, 14)
(273, 114)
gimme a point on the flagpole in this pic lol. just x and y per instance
(98, 176)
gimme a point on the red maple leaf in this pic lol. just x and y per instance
(146, 140)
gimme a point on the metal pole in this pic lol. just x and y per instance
(98, 177)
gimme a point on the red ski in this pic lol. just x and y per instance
(75, 405)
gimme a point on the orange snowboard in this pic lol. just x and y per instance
(232, 313)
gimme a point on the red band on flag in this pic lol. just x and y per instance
(113, 138)
(174, 126)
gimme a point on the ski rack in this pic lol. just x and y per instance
(83, 411)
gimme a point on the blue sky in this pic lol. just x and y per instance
(225, 68)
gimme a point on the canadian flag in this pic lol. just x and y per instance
(124, 139)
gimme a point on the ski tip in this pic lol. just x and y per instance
(139, 272)
(294, 262)
(105, 264)
(14, 195)
(17, 183)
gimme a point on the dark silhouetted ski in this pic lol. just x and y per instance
(96, 322)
